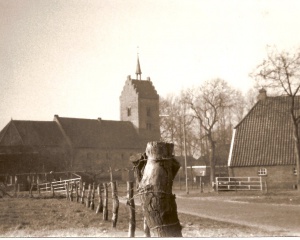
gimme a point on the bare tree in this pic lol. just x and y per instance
(280, 72)
(171, 125)
(207, 103)
(250, 99)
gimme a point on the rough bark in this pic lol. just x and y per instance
(155, 189)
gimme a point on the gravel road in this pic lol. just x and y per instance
(271, 217)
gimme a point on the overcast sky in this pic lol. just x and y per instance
(72, 58)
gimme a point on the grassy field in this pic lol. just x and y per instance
(57, 217)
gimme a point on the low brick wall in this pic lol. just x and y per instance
(278, 177)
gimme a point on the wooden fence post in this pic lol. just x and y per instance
(16, 186)
(157, 169)
(115, 202)
(76, 190)
(100, 205)
(201, 187)
(105, 202)
(82, 193)
(131, 206)
(52, 188)
(30, 186)
(92, 205)
(88, 198)
(71, 192)
(67, 190)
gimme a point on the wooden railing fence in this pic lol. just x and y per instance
(239, 184)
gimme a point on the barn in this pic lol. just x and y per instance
(262, 143)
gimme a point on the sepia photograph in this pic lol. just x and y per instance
(152, 118)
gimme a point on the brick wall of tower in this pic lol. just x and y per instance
(129, 99)
(149, 114)
(144, 112)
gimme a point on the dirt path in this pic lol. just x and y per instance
(283, 219)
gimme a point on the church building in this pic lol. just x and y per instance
(84, 145)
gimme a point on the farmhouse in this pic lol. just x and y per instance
(262, 143)
(83, 145)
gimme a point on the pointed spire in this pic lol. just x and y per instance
(138, 71)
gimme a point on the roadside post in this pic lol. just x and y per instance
(155, 171)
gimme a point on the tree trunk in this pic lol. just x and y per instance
(155, 189)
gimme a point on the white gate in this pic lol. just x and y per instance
(238, 183)
(57, 186)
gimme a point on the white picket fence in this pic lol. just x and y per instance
(239, 184)
(57, 186)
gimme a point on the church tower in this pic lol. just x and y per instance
(139, 104)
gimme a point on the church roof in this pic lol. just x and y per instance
(33, 133)
(265, 136)
(97, 133)
(145, 89)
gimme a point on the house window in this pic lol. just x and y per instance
(262, 172)
(149, 126)
(128, 111)
(148, 111)
(294, 171)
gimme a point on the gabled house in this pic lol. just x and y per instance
(262, 143)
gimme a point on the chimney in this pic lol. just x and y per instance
(262, 94)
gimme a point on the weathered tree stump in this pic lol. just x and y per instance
(105, 202)
(99, 209)
(131, 206)
(115, 202)
(156, 171)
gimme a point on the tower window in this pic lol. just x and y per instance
(128, 111)
(148, 111)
